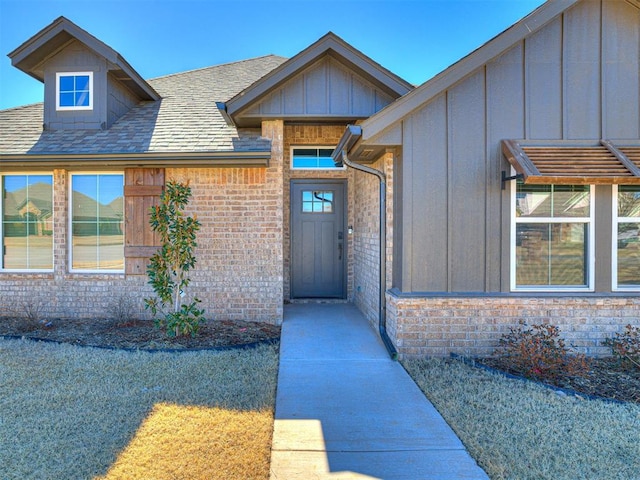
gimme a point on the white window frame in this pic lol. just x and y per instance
(313, 147)
(53, 214)
(70, 225)
(590, 263)
(614, 244)
(73, 107)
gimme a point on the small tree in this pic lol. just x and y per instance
(169, 267)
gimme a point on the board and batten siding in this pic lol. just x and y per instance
(75, 58)
(325, 89)
(576, 78)
(111, 99)
(119, 100)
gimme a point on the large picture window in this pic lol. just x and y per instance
(551, 232)
(27, 222)
(626, 244)
(97, 222)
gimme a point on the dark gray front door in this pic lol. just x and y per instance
(318, 240)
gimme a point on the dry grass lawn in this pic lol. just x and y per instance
(520, 430)
(83, 413)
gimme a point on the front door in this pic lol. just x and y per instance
(318, 240)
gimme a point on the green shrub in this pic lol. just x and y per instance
(626, 345)
(169, 267)
(539, 352)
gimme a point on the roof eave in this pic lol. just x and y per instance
(349, 138)
(219, 159)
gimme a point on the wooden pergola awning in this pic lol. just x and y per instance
(604, 163)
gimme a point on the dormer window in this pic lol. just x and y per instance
(74, 91)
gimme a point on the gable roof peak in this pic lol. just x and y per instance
(328, 44)
(30, 55)
(493, 48)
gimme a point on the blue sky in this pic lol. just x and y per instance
(415, 39)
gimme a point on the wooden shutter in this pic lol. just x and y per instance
(142, 190)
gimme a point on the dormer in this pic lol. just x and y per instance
(87, 84)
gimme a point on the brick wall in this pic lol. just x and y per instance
(438, 326)
(238, 274)
(366, 237)
(313, 135)
(239, 270)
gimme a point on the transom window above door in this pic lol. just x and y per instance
(313, 158)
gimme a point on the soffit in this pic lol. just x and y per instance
(602, 163)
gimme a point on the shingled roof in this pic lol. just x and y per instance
(185, 120)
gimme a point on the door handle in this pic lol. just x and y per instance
(340, 251)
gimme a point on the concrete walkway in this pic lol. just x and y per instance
(344, 409)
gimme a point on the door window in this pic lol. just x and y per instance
(317, 201)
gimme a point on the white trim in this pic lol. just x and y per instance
(53, 214)
(313, 147)
(512, 233)
(614, 238)
(72, 108)
(70, 225)
(580, 220)
(614, 244)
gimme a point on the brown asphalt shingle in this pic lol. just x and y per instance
(185, 120)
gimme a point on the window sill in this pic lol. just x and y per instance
(559, 290)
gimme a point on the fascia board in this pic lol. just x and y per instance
(402, 107)
(133, 160)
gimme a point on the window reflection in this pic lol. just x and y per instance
(628, 248)
(97, 223)
(317, 201)
(551, 254)
(552, 201)
(27, 222)
(312, 158)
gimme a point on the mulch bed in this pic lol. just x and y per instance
(606, 378)
(139, 334)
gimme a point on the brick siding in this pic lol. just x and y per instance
(366, 237)
(239, 270)
(438, 326)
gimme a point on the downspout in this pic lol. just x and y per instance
(382, 301)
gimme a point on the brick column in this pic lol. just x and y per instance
(60, 224)
(274, 131)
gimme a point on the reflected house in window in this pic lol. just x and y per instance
(90, 216)
(29, 213)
